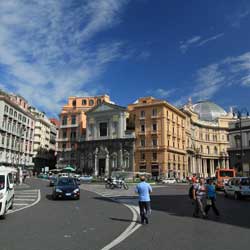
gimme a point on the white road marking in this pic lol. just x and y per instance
(25, 196)
(20, 204)
(23, 199)
(30, 205)
(132, 226)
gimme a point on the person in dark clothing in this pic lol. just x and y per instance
(211, 198)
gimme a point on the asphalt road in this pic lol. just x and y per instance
(63, 225)
(95, 221)
(172, 226)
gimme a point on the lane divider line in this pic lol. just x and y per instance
(133, 226)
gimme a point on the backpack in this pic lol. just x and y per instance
(190, 192)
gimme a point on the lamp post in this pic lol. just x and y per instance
(240, 114)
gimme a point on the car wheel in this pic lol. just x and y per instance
(12, 203)
(236, 196)
(3, 216)
(53, 196)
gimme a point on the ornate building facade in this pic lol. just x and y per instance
(108, 146)
(206, 137)
(160, 138)
(73, 127)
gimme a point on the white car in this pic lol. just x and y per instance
(6, 190)
(169, 181)
(238, 187)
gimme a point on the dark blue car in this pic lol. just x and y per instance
(66, 188)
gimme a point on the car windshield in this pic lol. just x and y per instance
(226, 174)
(66, 182)
(245, 182)
(2, 185)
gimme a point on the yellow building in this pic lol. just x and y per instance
(206, 137)
(160, 138)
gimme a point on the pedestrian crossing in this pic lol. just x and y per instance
(25, 198)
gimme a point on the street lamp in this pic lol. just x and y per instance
(240, 114)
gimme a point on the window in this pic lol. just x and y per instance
(155, 127)
(11, 111)
(91, 102)
(3, 139)
(237, 141)
(208, 150)
(215, 150)
(142, 156)
(84, 102)
(142, 113)
(99, 101)
(154, 112)
(15, 114)
(73, 135)
(154, 142)
(142, 128)
(64, 134)
(64, 120)
(154, 155)
(143, 142)
(115, 126)
(73, 119)
(103, 129)
(64, 145)
(74, 103)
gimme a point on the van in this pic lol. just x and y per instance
(6, 190)
(238, 187)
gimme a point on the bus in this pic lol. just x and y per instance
(223, 175)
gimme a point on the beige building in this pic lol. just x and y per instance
(16, 131)
(160, 138)
(73, 127)
(206, 137)
(42, 132)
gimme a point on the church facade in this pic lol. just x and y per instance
(108, 146)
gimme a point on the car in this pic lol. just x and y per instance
(6, 191)
(238, 187)
(169, 181)
(66, 188)
(86, 178)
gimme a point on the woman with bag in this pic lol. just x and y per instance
(211, 198)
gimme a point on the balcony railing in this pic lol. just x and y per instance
(69, 125)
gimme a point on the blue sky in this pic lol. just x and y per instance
(170, 49)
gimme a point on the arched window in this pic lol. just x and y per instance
(208, 150)
(215, 150)
(201, 149)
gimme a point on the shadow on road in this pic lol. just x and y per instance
(123, 220)
(233, 212)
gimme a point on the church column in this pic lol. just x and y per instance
(96, 165)
(205, 168)
(212, 168)
(107, 165)
(120, 158)
(193, 166)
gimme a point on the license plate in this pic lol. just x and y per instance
(68, 194)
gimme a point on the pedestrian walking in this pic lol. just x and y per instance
(199, 196)
(144, 189)
(211, 198)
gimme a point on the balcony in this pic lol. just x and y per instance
(62, 139)
(69, 125)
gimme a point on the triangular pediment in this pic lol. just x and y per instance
(105, 107)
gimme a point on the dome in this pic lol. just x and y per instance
(208, 111)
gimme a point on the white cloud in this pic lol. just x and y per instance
(209, 80)
(197, 41)
(161, 93)
(185, 45)
(46, 51)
